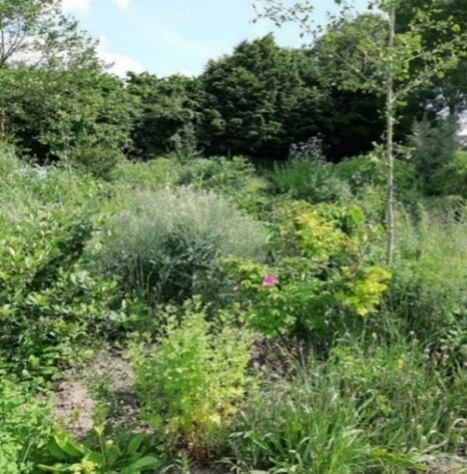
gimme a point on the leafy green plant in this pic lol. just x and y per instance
(100, 162)
(416, 301)
(311, 180)
(48, 300)
(192, 382)
(166, 245)
(434, 147)
(319, 280)
(368, 170)
(350, 414)
(24, 427)
(451, 179)
(99, 454)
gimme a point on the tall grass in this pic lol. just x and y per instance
(359, 412)
(427, 292)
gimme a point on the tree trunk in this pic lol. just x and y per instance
(390, 143)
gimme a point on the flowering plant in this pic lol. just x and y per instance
(319, 281)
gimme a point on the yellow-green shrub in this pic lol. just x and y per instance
(192, 382)
(320, 279)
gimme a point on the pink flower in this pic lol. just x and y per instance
(269, 281)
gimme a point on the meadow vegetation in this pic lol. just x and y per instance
(246, 296)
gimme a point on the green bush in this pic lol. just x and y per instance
(319, 285)
(48, 301)
(166, 245)
(100, 162)
(218, 173)
(363, 171)
(452, 178)
(311, 180)
(192, 381)
(434, 147)
(150, 175)
(24, 428)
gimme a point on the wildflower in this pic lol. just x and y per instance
(400, 363)
(269, 281)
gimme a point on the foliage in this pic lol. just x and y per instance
(24, 427)
(434, 313)
(451, 180)
(434, 147)
(48, 301)
(192, 381)
(312, 180)
(56, 112)
(99, 454)
(166, 245)
(150, 175)
(167, 108)
(250, 100)
(360, 411)
(98, 161)
(361, 171)
(319, 280)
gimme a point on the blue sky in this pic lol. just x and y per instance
(176, 36)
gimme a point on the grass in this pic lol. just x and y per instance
(388, 401)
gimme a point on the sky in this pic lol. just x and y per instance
(176, 36)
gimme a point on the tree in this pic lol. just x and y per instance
(252, 100)
(166, 106)
(36, 32)
(55, 95)
(447, 93)
(387, 56)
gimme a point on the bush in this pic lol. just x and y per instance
(452, 178)
(100, 162)
(24, 428)
(48, 301)
(166, 246)
(311, 180)
(434, 147)
(367, 170)
(150, 175)
(319, 281)
(218, 173)
(192, 381)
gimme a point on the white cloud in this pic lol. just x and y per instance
(123, 4)
(187, 47)
(76, 5)
(121, 63)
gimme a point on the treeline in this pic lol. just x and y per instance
(57, 99)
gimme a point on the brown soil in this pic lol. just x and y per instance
(102, 387)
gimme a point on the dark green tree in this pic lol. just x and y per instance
(55, 95)
(252, 101)
(167, 107)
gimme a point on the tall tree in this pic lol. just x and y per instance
(55, 95)
(166, 106)
(251, 100)
(388, 57)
